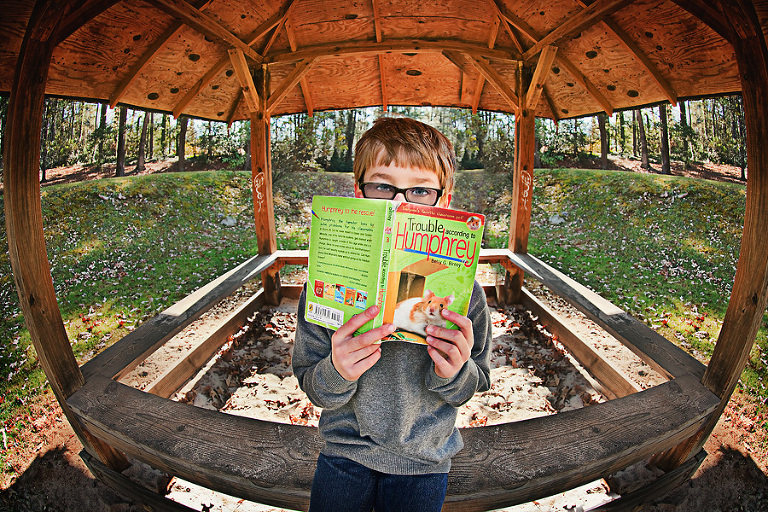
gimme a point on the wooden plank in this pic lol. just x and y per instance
(266, 462)
(587, 17)
(631, 501)
(613, 383)
(376, 20)
(633, 47)
(540, 74)
(587, 84)
(240, 65)
(175, 377)
(515, 463)
(496, 80)
(124, 355)
(665, 357)
(207, 25)
(500, 465)
(148, 55)
(271, 23)
(300, 71)
(383, 81)
(366, 47)
(131, 489)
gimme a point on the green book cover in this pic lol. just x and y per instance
(411, 260)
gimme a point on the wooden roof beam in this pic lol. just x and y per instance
(245, 78)
(633, 48)
(78, 17)
(543, 68)
(383, 81)
(480, 84)
(270, 23)
(233, 108)
(376, 20)
(305, 90)
(206, 25)
(595, 13)
(712, 17)
(496, 80)
(301, 69)
(536, 38)
(366, 47)
(126, 82)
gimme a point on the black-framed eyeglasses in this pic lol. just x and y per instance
(419, 195)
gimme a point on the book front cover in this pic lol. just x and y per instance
(434, 259)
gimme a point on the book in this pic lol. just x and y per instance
(409, 259)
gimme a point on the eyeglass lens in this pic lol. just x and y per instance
(419, 195)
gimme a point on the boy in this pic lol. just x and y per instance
(389, 409)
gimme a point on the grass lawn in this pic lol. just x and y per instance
(121, 250)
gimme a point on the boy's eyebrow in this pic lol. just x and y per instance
(383, 175)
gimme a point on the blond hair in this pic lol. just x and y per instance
(406, 143)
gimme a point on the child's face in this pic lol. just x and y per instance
(403, 177)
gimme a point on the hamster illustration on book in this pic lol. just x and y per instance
(411, 260)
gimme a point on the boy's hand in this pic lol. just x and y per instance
(353, 355)
(450, 348)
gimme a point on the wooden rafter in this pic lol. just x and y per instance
(498, 81)
(233, 108)
(366, 47)
(708, 14)
(301, 69)
(543, 67)
(305, 90)
(383, 81)
(467, 72)
(376, 19)
(478, 92)
(206, 25)
(535, 37)
(270, 23)
(587, 17)
(77, 17)
(126, 82)
(633, 48)
(240, 65)
(550, 104)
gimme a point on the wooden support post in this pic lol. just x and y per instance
(24, 220)
(750, 288)
(261, 183)
(522, 189)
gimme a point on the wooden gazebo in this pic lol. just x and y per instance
(229, 60)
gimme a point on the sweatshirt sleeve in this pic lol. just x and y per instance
(312, 365)
(475, 375)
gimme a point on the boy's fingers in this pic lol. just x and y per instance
(357, 321)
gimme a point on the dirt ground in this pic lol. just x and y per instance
(51, 476)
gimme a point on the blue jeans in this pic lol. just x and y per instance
(341, 485)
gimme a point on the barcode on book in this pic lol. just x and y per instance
(325, 314)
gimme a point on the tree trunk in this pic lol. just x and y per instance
(102, 133)
(182, 142)
(151, 136)
(603, 141)
(644, 162)
(141, 157)
(120, 170)
(635, 145)
(350, 135)
(163, 134)
(665, 166)
(684, 124)
(622, 134)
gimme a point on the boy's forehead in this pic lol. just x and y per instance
(395, 173)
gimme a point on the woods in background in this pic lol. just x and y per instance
(76, 132)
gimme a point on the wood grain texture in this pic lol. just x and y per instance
(499, 465)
